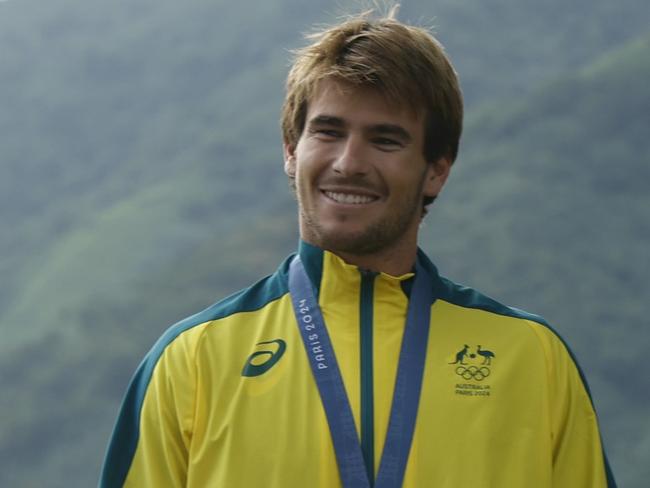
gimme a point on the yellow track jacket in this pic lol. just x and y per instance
(226, 398)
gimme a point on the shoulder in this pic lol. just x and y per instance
(469, 306)
(489, 312)
(518, 327)
(174, 354)
(255, 297)
(469, 298)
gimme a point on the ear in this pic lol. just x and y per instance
(436, 176)
(289, 159)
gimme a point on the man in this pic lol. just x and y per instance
(356, 364)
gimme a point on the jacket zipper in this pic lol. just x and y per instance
(367, 386)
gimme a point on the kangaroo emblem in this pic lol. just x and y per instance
(460, 355)
(487, 355)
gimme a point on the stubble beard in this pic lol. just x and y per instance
(379, 235)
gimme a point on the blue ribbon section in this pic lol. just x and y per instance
(406, 396)
(408, 385)
(328, 378)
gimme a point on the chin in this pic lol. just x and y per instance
(352, 236)
(355, 243)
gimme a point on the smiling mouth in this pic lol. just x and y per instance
(349, 198)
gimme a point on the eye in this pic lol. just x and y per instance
(386, 143)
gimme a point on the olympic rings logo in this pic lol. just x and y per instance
(473, 372)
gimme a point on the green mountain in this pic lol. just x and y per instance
(104, 100)
(140, 180)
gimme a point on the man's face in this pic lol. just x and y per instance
(360, 171)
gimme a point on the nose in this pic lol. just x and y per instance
(352, 159)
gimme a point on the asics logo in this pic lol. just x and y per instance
(261, 361)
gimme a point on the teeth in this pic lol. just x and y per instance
(349, 198)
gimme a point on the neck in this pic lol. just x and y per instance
(394, 262)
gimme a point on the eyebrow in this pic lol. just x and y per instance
(380, 129)
(327, 120)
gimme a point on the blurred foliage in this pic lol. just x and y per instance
(141, 180)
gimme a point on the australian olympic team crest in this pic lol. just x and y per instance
(472, 368)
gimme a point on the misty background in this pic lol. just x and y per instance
(141, 180)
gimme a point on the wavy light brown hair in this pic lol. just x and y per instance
(405, 63)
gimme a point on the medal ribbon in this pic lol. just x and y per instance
(408, 384)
